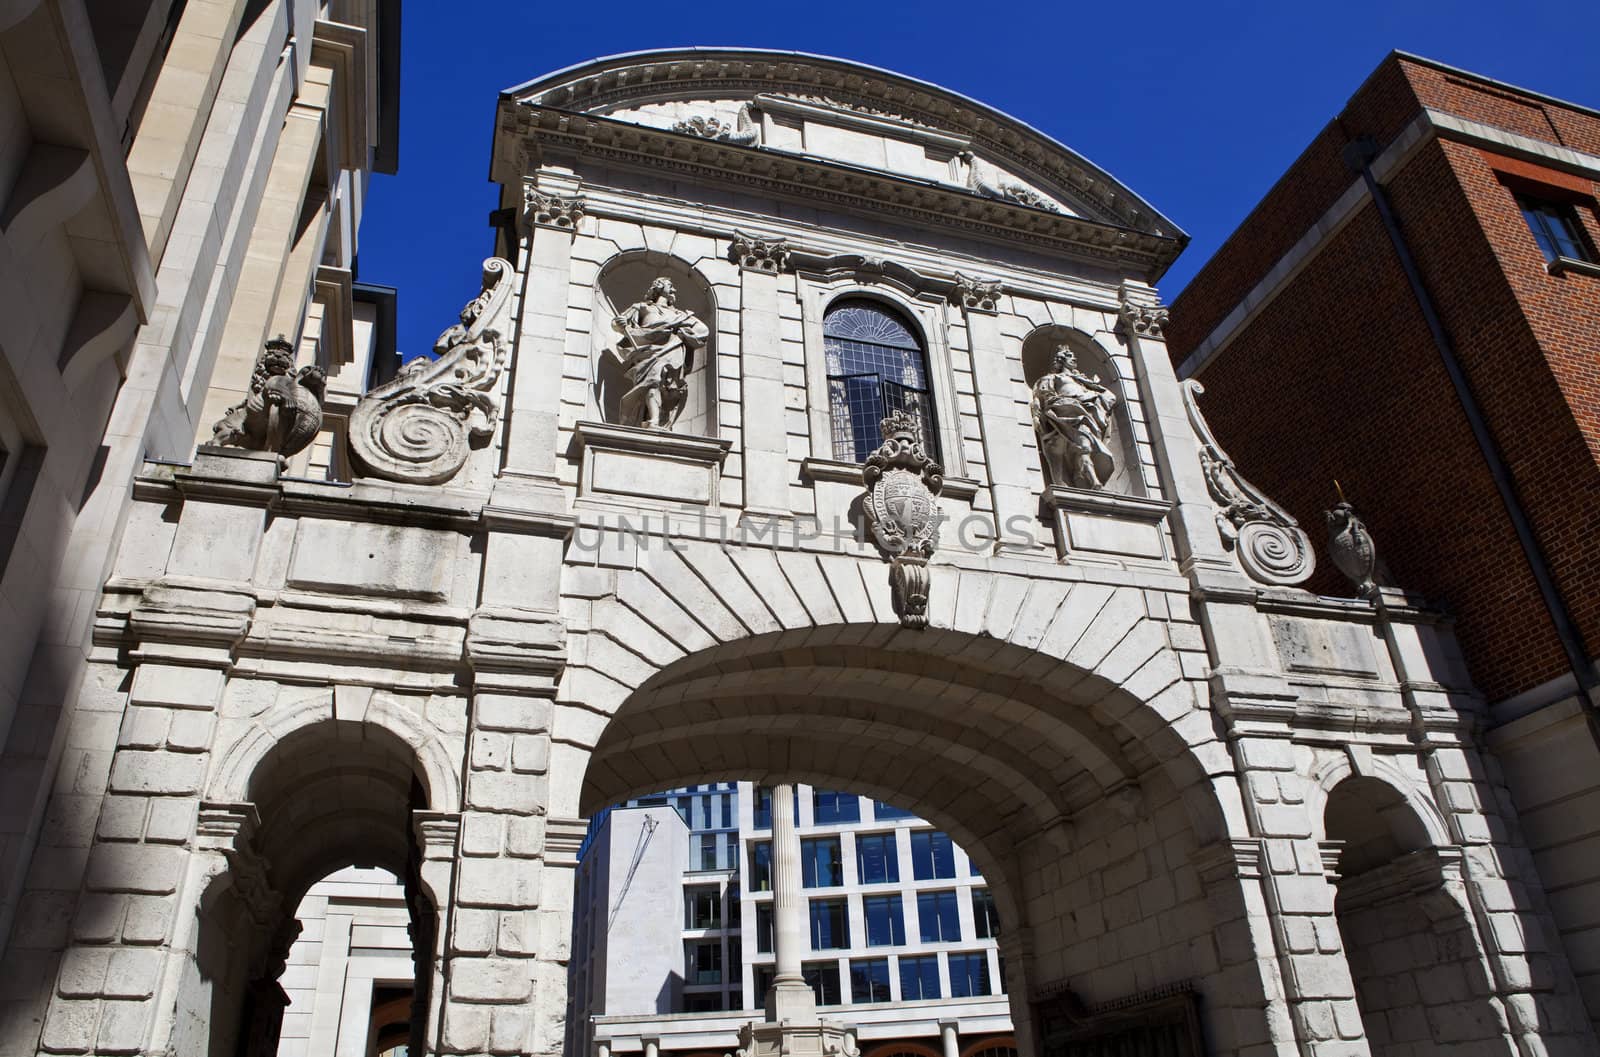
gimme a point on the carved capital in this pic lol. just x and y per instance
(190, 626)
(543, 210)
(228, 829)
(1226, 860)
(759, 253)
(977, 295)
(1147, 321)
(562, 839)
(436, 833)
(517, 650)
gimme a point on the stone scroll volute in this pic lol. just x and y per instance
(420, 426)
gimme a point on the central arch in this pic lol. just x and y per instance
(1047, 727)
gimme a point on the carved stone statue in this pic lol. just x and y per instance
(419, 426)
(1072, 416)
(656, 352)
(282, 411)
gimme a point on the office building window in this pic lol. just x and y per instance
(708, 851)
(762, 809)
(938, 917)
(869, 980)
(703, 908)
(886, 812)
(932, 855)
(763, 983)
(969, 975)
(886, 925)
(761, 867)
(735, 961)
(877, 860)
(764, 928)
(985, 919)
(727, 810)
(1555, 228)
(705, 962)
(820, 862)
(703, 1003)
(875, 365)
(824, 980)
(919, 978)
(830, 924)
(828, 807)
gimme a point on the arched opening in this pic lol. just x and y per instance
(1421, 983)
(1079, 807)
(674, 919)
(1038, 350)
(626, 280)
(876, 364)
(321, 909)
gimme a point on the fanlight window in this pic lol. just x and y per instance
(875, 365)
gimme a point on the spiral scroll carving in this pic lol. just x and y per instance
(1270, 544)
(421, 426)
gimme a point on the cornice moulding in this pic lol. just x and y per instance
(885, 126)
(781, 174)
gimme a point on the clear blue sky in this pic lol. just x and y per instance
(1199, 107)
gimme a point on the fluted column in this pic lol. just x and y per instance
(790, 998)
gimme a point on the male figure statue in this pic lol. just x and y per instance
(657, 353)
(1072, 416)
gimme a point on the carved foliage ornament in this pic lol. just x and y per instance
(977, 295)
(1271, 545)
(282, 412)
(419, 426)
(552, 211)
(902, 483)
(759, 253)
(744, 132)
(1145, 320)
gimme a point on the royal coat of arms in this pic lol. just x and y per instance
(901, 485)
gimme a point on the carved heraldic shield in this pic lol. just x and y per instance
(901, 485)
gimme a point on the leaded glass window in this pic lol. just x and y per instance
(875, 365)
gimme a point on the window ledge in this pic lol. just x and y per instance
(814, 470)
(1562, 265)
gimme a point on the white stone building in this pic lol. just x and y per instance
(673, 925)
(608, 544)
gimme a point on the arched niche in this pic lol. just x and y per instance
(1037, 350)
(625, 280)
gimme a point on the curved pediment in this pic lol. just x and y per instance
(849, 114)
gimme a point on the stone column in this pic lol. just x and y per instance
(652, 1047)
(1005, 428)
(790, 998)
(766, 438)
(949, 1041)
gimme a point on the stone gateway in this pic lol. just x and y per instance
(1218, 814)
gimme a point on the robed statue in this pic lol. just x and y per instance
(656, 352)
(1072, 416)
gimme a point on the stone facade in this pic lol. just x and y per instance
(1190, 784)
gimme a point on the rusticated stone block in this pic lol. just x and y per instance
(135, 868)
(166, 773)
(70, 1026)
(491, 979)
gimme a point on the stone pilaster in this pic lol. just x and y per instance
(1183, 480)
(505, 962)
(550, 220)
(766, 441)
(1005, 430)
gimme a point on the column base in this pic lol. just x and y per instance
(818, 1039)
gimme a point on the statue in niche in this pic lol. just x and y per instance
(656, 352)
(1072, 416)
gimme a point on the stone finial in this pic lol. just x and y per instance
(1351, 547)
(282, 411)
(760, 253)
(540, 209)
(901, 509)
(977, 295)
(1145, 320)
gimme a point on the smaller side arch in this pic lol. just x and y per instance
(1333, 771)
(239, 761)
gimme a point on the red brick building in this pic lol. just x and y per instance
(1326, 330)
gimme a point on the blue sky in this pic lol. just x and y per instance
(1199, 107)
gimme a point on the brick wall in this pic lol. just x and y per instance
(1357, 388)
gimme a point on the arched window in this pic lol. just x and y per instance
(875, 365)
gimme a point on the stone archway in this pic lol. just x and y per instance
(1047, 726)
